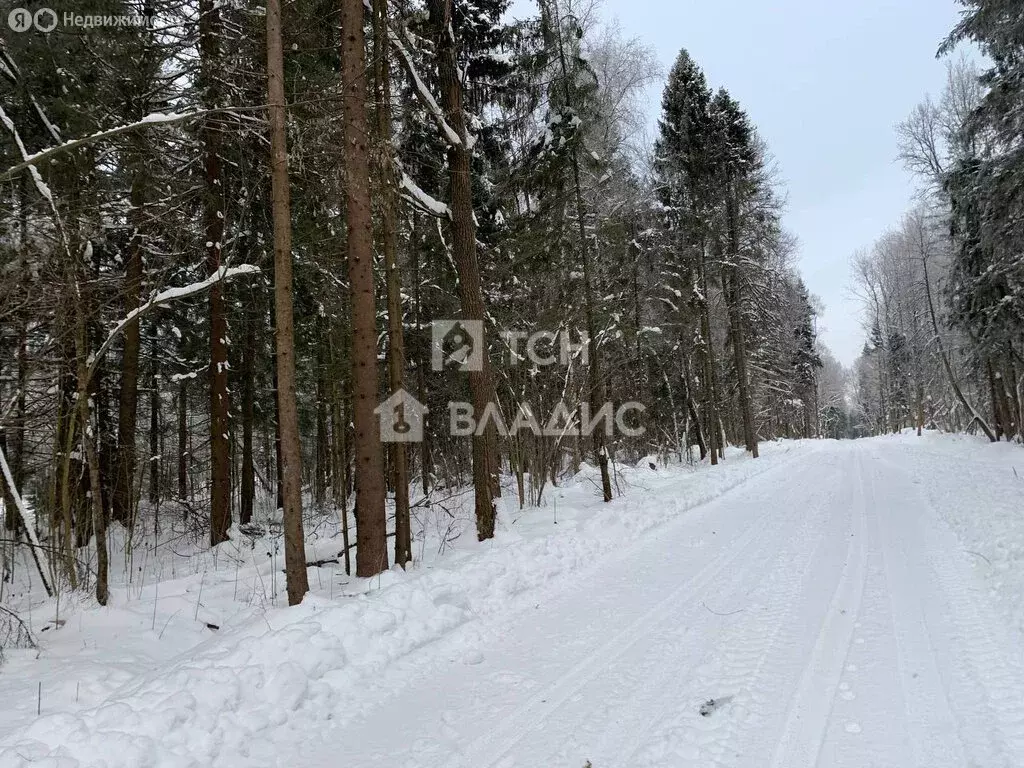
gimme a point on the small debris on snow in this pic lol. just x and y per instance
(711, 706)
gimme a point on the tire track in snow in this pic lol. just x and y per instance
(488, 750)
(744, 666)
(743, 643)
(984, 678)
(928, 713)
(809, 711)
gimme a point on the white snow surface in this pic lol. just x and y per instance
(844, 604)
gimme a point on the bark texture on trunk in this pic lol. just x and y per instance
(128, 400)
(712, 430)
(182, 440)
(155, 460)
(247, 490)
(371, 522)
(95, 517)
(463, 228)
(389, 247)
(213, 218)
(16, 431)
(291, 449)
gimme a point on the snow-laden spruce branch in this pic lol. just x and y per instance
(40, 185)
(8, 68)
(52, 129)
(157, 118)
(424, 94)
(422, 200)
(162, 299)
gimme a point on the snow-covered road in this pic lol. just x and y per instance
(855, 604)
(821, 605)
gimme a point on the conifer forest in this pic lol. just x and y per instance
(448, 383)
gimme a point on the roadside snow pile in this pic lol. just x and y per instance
(987, 516)
(276, 678)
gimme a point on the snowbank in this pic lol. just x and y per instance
(986, 515)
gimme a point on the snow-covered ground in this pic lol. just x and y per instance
(845, 604)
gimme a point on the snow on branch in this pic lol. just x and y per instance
(6, 70)
(7, 66)
(422, 200)
(157, 118)
(425, 96)
(166, 297)
(28, 519)
(50, 127)
(36, 178)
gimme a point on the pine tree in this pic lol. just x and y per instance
(210, 31)
(371, 530)
(291, 450)
(389, 246)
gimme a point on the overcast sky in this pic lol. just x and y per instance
(825, 82)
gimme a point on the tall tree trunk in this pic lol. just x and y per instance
(883, 408)
(711, 407)
(463, 227)
(389, 247)
(1012, 391)
(213, 216)
(420, 351)
(691, 408)
(738, 336)
(7, 491)
(371, 520)
(291, 449)
(322, 465)
(339, 417)
(945, 358)
(182, 439)
(99, 520)
(17, 429)
(67, 490)
(127, 412)
(248, 480)
(278, 480)
(89, 436)
(155, 460)
(920, 407)
(1000, 404)
(595, 383)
